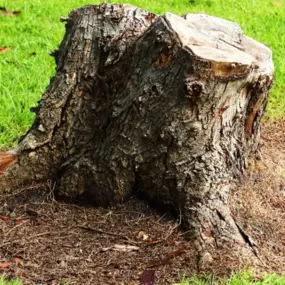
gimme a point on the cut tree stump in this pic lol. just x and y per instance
(167, 108)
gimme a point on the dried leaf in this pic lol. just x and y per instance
(142, 235)
(121, 247)
(168, 257)
(5, 265)
(19, 221)
(6, 159)
(147, 277)
(4, 218)
(4, 49)
(18, 260)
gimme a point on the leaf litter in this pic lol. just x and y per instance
(79, 244)
(47, 241)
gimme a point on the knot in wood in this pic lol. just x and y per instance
(193, 89)
(159, 37)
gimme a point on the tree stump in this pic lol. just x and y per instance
(167, 108)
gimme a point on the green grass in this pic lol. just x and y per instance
(4, 281)
(24, 77)
(244, 278)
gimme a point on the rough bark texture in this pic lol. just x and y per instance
(165, 107)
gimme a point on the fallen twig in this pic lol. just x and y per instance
(167, 258)
(30, 239)
(107, 233)
(169, 233)
(15, 227)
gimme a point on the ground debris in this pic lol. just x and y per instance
(60, 242)
(56, 242)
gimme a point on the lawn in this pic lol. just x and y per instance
(3, 281)
(244, 278)
(26, 67)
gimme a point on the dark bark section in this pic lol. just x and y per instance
(167, 108)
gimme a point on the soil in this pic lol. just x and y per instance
(47, 241)
(44, 241)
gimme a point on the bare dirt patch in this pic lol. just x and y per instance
(44, 241)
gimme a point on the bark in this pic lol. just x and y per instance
(164, 107)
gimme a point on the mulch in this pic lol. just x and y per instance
(47, 241)
(44, 241)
